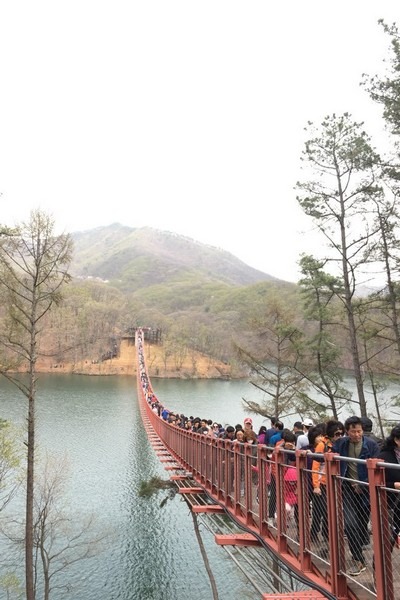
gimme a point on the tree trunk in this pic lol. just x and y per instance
(348, 295)
(391, 288)
(205, 557)
(29, 574)
(29, 526)
(356, 364)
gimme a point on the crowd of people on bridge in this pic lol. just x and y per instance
(353, 439)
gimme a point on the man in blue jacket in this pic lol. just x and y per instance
(356, 505)
(277, 435)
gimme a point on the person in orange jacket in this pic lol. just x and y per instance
(324, 444)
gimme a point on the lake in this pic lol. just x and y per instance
(151, 552)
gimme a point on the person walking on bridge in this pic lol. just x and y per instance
(367, 429)
(250, 436)
(356, 505)
(271, 431)
(390, 453)
(324, 444)
(302, 439)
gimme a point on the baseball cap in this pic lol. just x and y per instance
(308, 422)
(248, 420)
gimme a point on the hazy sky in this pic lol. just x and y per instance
(182, 115)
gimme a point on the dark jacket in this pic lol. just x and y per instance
(372, 436)
(391, 475)
(370, 449)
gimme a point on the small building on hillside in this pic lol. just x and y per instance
(150, 335)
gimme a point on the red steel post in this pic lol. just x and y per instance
(381, 533)
(279, 461)
(335, 525)
(304, 509)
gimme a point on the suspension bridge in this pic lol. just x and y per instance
(229, 485)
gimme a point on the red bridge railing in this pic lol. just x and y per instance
(239, 476)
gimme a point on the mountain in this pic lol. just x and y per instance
(141, 257)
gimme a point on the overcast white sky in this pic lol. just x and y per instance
(182, 115)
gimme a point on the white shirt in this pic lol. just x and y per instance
(302, 441)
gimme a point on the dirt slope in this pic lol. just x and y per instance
(194, 366)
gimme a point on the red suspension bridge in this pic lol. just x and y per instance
(221, 478)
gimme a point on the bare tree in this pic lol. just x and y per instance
(60, 539)
(33, 268)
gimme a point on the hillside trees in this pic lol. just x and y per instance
(33, 267)
(83, 327)
(339, 197)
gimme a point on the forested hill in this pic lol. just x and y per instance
(202, 299)
(139, 257)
